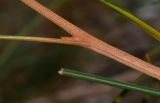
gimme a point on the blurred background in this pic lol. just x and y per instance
(28, 71)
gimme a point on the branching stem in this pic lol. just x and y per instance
(80, 36)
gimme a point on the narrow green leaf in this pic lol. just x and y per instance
(152, 31)
(108, 81)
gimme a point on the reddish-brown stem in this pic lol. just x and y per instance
(94, 43)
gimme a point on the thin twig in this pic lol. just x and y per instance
(66, 40)
(94, 43)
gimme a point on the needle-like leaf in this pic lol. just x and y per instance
(152, 31)
(108, 81)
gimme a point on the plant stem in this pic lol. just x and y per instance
(94, 43)
(42, 39)
(108, 81)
